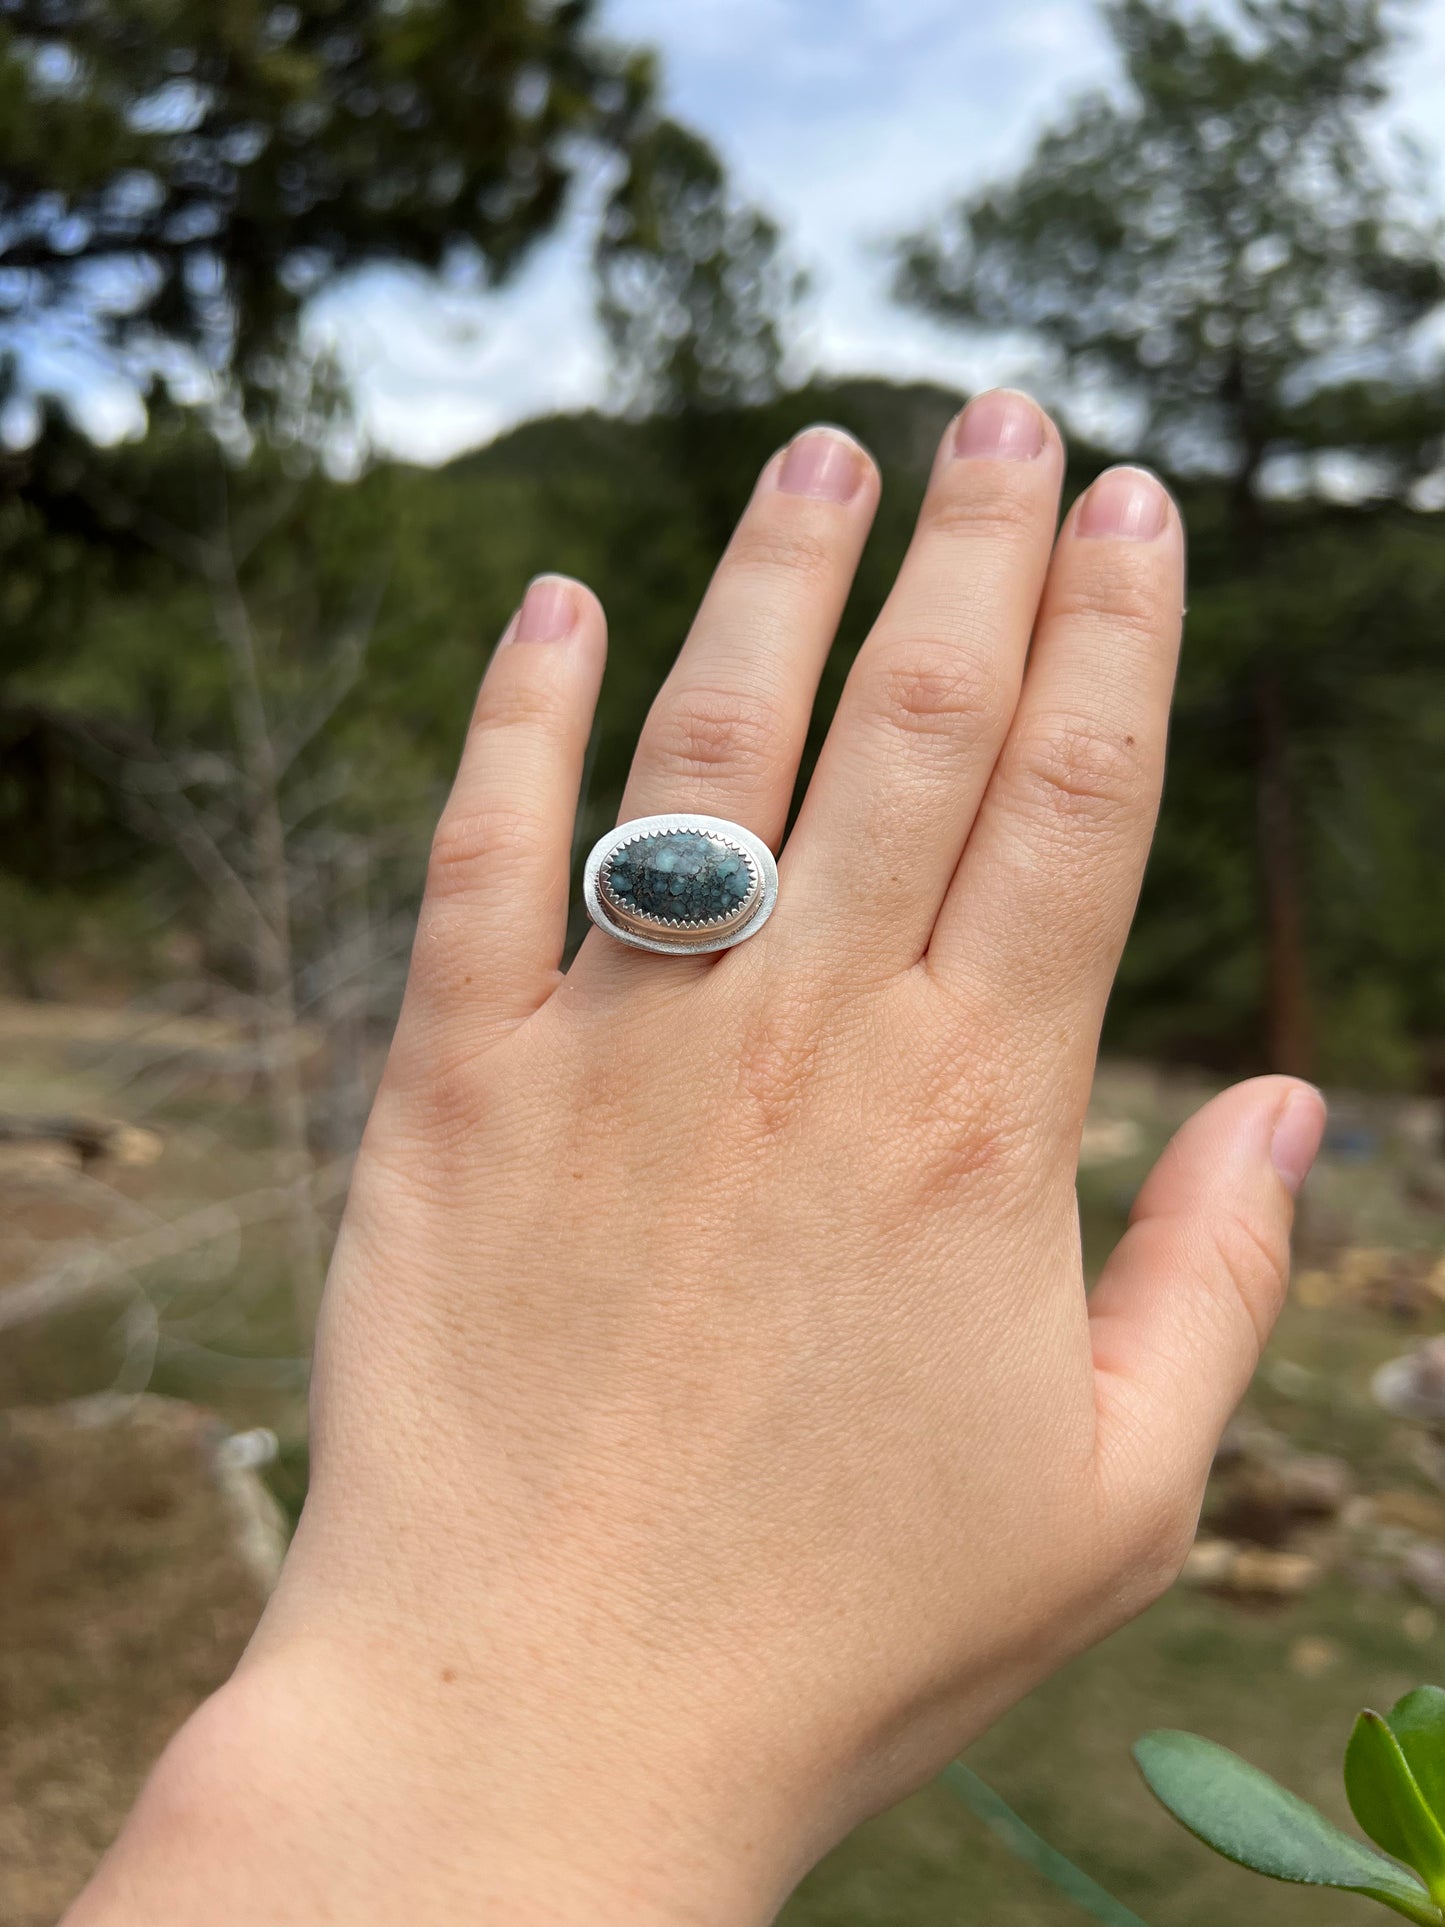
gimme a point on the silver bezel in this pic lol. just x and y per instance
(691, 939)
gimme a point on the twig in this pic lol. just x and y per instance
(86, 1271)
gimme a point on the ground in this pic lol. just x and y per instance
(122, 1601)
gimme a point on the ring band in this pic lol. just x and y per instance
(680, 885)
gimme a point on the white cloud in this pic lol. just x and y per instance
(435, 372)
(851, 119)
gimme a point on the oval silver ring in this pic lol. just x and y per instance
(680, 884)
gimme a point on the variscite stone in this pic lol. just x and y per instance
(679, 876)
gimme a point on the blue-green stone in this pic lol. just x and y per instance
(680, 876)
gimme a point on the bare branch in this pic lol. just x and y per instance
(86, 1272)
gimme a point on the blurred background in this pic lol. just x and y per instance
(323, 326)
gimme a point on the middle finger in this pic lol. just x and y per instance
(928, 702)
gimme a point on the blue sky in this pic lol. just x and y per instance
(849, 119)
(846, 118)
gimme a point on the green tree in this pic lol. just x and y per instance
(181, 177)
(695, 290)
(1224, 249)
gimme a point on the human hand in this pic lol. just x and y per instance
(711, 1432)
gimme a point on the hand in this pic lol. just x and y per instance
(711, 1431)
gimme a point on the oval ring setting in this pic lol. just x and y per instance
(680, 885)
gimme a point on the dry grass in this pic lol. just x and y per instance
(123, 1602)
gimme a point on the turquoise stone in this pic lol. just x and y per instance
(679, 876)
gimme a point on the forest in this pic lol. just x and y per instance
(1227, 250)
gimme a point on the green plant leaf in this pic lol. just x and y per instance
(1001, 1820)
(1388, 1804)
(1249, 1818)
(1418, 1723)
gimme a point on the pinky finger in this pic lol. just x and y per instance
(494, 918)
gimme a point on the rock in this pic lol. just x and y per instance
(1419, 1512)
(1315, 1289)
(1312, 1656)
(1414, 1386)
(1209, 1562)
(1219, 1565)
(1423, 1567)
(74, 1143)
(1290, 1379)
(1265, 1491)
(1314, 1484)
(1246, 1438)
(1272, 1575)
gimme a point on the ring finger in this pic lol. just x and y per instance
(726, 731)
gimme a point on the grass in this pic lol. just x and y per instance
(1062, 1758)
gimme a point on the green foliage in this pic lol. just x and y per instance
(185, 175)
(1223, 248)
(641, 510)
(1394, 1777)
(694, 290)
(1020, 1839)
(1388, 1803)
(1418, 1723)
(1214, 244)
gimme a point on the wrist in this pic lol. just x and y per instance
(316, 1785)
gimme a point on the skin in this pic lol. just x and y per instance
(712, 1434)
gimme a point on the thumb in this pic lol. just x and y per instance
(1191, 1293)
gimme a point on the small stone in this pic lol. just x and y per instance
(679, 876)
(1424, 1568)
(1419, 1625)
(1414, 1386)
(1312, 1656)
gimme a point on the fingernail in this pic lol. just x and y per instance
(823, 463)
(548, 610)
(1001, 426)
(1126, 502)
(1298, 1133)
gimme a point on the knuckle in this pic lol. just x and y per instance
(1076, 768)
(472, 846)
(1253, 1267)
(958, 1158)
(936, 690)
(778, 1067)
(1000, 506)
(697, 732)
(958, 1100)
(514, 702)
(430, 1101)
(768, 543)
(1120, 601)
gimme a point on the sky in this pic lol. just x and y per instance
(849, 120)
(846, 119)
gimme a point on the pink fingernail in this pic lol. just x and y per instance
(1001, 426)
(1298, 1133)
(1125, 502)
(823, 463)
(548, 611)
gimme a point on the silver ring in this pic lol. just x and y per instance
(680, 885)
